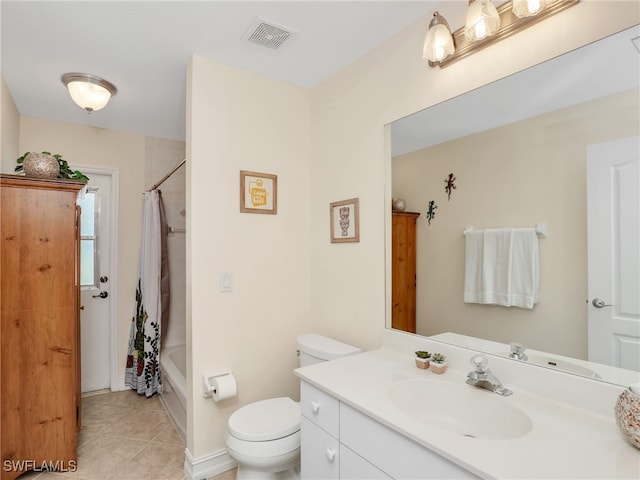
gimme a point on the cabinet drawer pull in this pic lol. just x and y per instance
(315, 407)
(331, 455)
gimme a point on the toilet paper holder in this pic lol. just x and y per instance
(207, 387)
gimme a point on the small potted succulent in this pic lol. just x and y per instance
(438, 363)
(422, 359)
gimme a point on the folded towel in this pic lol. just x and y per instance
(496, 266)
(473, 241)
(524, 283)
(501, 267)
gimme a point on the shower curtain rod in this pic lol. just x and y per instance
(169, 174)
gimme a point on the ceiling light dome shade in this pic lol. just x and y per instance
(438, 43)
(89, 92)
(482, 21)
(528, 8)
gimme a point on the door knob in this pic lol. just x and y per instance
(101, 295)
(600, 303)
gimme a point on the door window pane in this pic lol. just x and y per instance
(87, 256)
(89, 221)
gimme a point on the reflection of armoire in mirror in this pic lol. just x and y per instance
(403, 271)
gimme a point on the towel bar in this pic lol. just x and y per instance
(542, 230)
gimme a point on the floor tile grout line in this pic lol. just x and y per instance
(117, 403)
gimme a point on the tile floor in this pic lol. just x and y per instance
(126, 436)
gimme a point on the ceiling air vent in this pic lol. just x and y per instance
(267, 34)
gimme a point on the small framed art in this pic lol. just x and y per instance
(345, 221)
(258, 192)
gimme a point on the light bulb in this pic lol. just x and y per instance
(438, 44)
(528, 8)
(482, 20)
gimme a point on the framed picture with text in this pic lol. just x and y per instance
(345, 221)
(258, 192)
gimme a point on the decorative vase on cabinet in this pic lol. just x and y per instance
(403, 271)
(39, 327)
(41, 165)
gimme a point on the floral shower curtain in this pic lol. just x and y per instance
(143, 357)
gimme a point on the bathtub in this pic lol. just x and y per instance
(173, 367)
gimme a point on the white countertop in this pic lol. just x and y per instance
(565, 442)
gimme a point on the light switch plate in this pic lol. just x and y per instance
(226, 282)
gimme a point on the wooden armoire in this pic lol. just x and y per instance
(403, 271)
(39, 328)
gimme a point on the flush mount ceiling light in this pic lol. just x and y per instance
(483, 27)
(89, 92)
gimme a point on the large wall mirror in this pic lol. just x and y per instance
(520, 152)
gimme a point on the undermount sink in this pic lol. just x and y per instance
(462, 409)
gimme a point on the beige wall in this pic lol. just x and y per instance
(91, 146)
(9, 130)
(348, 156)
(514, 176)
(238, 120)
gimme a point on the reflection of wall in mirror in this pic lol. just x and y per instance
(513, 176)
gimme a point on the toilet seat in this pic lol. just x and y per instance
(271, 449)
(265, 420)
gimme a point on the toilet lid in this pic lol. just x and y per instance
(265, 420)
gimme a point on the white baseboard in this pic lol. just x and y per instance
(207, 466)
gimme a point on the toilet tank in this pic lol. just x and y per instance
(313, 348)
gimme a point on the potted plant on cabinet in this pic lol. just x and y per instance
(438, 363)
(422, 359)
(46, 165)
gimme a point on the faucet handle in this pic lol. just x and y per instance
(517, 350)
(480, 362)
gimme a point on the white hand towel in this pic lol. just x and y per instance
(496, 266)
(501, 267)
(524, 274)
(473, 266)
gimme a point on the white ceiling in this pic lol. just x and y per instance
(143, 48)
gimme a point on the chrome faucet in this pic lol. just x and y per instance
(517, 351)
(483, 378)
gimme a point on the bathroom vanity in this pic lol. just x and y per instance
(338, 441)
(374, 415)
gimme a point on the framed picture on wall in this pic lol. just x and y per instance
(345, 221)
(258, 192)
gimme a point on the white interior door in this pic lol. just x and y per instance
(613, 190)
(95, 284)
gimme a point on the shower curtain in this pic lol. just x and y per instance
(143, 366)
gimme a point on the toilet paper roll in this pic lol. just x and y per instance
(223, 387)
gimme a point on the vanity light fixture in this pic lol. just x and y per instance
(438, 43)
(483, 28)
(528, 8)
(89, 92)
(482, 20)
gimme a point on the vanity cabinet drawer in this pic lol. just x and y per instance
(396, 455)
(319, 453)
(320, 407)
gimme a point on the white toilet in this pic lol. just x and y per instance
(264, 437)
